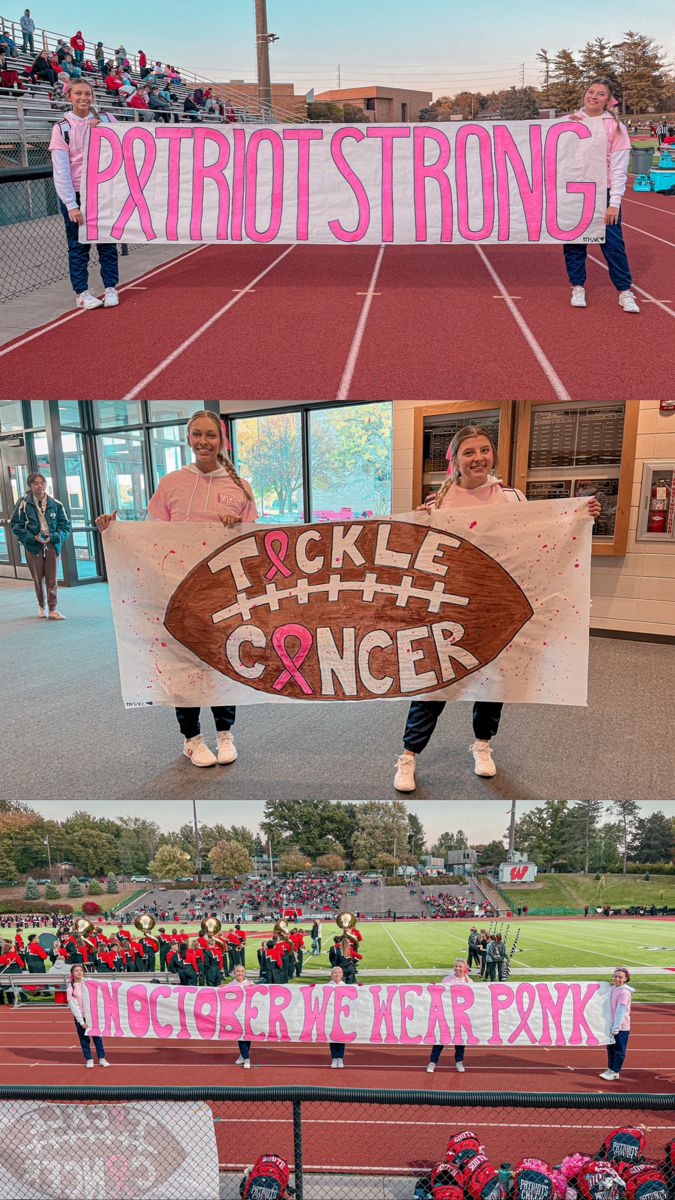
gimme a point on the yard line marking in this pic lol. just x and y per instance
(546, 366)
(651, 235)
(355, 348)
(579, 949)
(635, 288)
(171, 358)
(79, 312)
(406, 960)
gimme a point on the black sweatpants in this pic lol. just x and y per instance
(224, 716)
(423, 719)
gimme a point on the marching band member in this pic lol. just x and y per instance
(297, 938)
(74, 997)
(36, 956)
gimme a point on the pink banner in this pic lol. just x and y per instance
(409, 1014)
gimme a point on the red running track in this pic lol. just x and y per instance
(40, 1047)
(325, 323)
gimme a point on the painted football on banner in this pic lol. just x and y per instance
(356, 610)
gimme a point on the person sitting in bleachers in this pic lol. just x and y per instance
(9, 78)
(191, 109)
(41, 68)
(113, 83)
(159, 105)
(139, 99)
(7, 46)
(61, 49)
(70, 66)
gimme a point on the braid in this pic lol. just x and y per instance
(443, 490)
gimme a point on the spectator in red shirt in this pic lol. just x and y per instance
(77, 42)
(143, 64)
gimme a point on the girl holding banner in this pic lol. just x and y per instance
(209, 489)
(598, 112)
(620, 1027)
(244, 1059)
(74, 998)
(461, 973)
(471, 481)
(67, 146)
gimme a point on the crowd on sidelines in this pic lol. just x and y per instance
(466, 905)
(618, 1170)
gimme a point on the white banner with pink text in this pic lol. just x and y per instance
(409, 1014)
(410, 184)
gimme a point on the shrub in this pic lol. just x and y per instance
(95, 888)
(91, 908)
(646, 876)
(598, 875)
(52, 892)
(30, 906)
(112, 886)
(74, 886)
(32, 891)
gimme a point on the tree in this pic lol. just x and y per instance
(628, 812)
(32, 891)
(353, 114)
(170, 862)
(640, 72)
(52, 892)
(230, 859)
(95, 888)
(382, 829)
(518, 104)
(491, 855)
(653, 841)
(544, 58)
(327, 111)
(111, 884)
(74, 886)
(293, 860)
(450, 841)
(7, 866)
(330, 862)
(385, 862)
(316, 826)
(543, 833)
(583, 825)
(596, 60)
(564, 81)
(417, 838)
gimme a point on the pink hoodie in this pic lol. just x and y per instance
(191, 495)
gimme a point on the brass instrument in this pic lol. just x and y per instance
(346, 921)
(145, 923)
(211, 926)
(282, 928)
(83, 928)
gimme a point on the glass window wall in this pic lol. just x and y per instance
(268, 454)
(123, 475)
(11, 416)
(110, 413)
(169, 449)
(350, 459)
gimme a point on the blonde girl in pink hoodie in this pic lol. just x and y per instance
(598, 111)
(209, 489)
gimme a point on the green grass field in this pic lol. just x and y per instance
(574, 891)
(397, 952)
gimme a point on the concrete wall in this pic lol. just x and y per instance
(634, 593)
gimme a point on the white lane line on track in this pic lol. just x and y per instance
(355, 348)
(651, 207)
(642, 292)
(171, 358)
(124, 287)
(546, 366)
(421, 1124)
(406, 960)
(646, 234)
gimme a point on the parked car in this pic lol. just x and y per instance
(44, 880)
(84, 879)
(141, 879)
(185, 879)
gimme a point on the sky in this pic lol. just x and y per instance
(480, 821)
(440, 45)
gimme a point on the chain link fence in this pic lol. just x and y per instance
(339, 1143)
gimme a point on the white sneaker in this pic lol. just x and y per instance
(482, 757)
(578, 297)
(240, 1061)
(431, 1068)
(334, 1062)
(246, 1064)
(42, 612)
(340, 1062)
(609, 1075)
(110, 298)
(103, 1062)
(404, 779)
(227, 751)
(56, 616)
(89, 1065)
(198, 752)
(87, 300)
(460, 1067)
(628, 302)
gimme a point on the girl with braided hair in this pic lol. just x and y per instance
(598, 111)
(207, 489)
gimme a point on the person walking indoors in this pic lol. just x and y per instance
(40, 522)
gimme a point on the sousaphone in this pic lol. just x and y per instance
(212, 927)
(145, 923)
(84, 929)
(282, 928)
(346, 921)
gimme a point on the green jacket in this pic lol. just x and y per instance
(26, 523)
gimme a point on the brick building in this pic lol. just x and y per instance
(286, 104)
(383, 104)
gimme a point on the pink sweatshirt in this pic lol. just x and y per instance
(618, 151)
(191, 495)
(67, 157)
(620, 1008)
(490, 493)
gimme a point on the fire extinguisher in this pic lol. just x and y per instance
(659, 503)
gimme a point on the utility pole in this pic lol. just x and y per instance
(262, 45)
(512, 830)
(198, 844)
(339, 73)
(271, 858)
(49, 857)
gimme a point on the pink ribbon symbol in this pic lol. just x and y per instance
(137, 181)
(525, 1000)
(292, 664)
(276, 545)
(118, 1166)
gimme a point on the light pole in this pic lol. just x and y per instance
(262, 47)
(49, 857)
(512, 831)
(198, 844)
